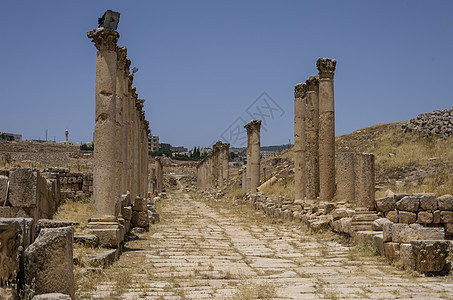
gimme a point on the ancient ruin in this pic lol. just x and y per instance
(213, 170)
(253, 155)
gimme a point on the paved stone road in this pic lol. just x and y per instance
(211, 250)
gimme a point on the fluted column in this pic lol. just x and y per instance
(311, 136)
(253, 161)
(326, 68)
(120, 97)
(104, 221)
(299, 141)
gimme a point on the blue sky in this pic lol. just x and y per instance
(203, 63)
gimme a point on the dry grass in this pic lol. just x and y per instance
(283, 187)
(250, 291)
(76, 211)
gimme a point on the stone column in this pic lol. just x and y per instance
(220, 163)
(248, 174)
(226, 167)
(364, 181)
(253, 164)
(124, 64)
(120, 91)
(104, 222)
(244, 179)
(299, 141)
(146, 159)
(326, 68)
(311, 136)
(345, 176)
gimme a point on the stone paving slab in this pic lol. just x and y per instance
(206, 251)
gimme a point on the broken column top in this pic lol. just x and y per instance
(299, 90)
(253, 124)
(312, 83)
(326, 67)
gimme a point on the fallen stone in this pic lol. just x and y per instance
(23, 189)
(430, 256)
(47, 223)
(9, 250)
(140, 204)
(387, 232)
(49, 262)
(319, 225)
(339, 214)
(103, 259)
(378, 224)
(87, 240)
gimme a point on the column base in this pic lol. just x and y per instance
(110, 234)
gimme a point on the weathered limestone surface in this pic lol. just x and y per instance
(253, 156)
(364, 181)
(9, 250)
(49, 262)
(326, 68)
(345, 176)
(312, 138)
(300, 185)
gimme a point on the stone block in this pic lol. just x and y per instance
(23, 188)
(52, 296)
(428, 201)
(401, 233)
(445, 202)
(392, 216)
(387, 232)
(392, 250)
(48, 223)
(319, 225)
(436, 217)
(140, 204)
(140, 219)
(378, 242)
(339, 214)
(3, 190)
(126, 200)
(108, 237)
(9, 250)
(87, 240)
(407, 217)
(429, 233)
(378, 224)
(408, 203)
(385, 204)
(49, 262)
(424, 217)
(430, 256)
(407, 256)
(446, 217)
(400, 196)
(448, 229)
(103, 259)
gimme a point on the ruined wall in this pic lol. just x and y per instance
(27, 193)
(74, 186)
(423, 208)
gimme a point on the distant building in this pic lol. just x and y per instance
(267, 154)
(4, 136)
(164, 147)
(179, 149)
(153, 142)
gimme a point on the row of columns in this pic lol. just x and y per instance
(213, 170)
(120, 138)
(314, 134)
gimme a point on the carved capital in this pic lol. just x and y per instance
(253, 125)
(299, 90)
(122, 58)
(103, 38)
(326, 67)
(312, 83)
